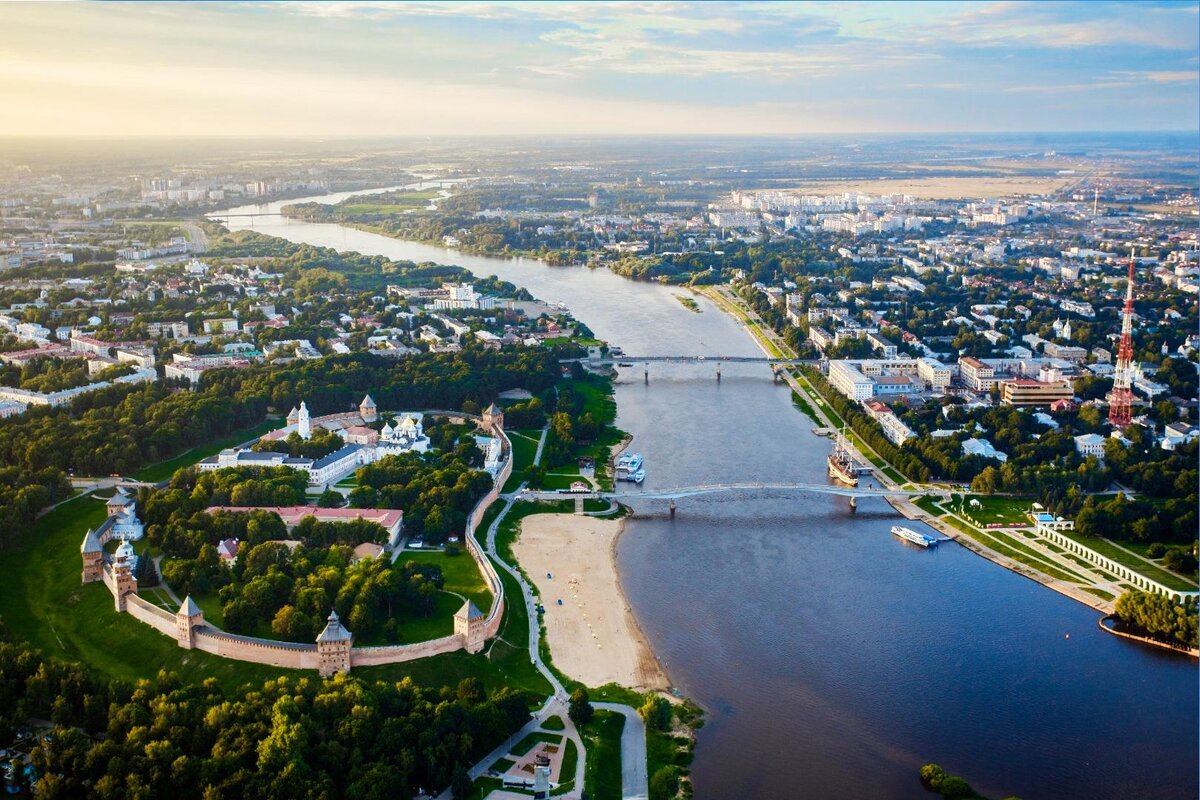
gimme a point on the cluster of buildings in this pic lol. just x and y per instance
(364, 444)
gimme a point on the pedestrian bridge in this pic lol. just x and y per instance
(716, 488)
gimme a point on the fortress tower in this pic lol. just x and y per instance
(367, 410)
(468, 623)
(126, 583)
(333, 647)
(93, 558)
(492, 418)
(187, 619)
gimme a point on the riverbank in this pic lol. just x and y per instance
(593, 635)
(771, 344)
(909, 511)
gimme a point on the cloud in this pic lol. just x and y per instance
(427, 67)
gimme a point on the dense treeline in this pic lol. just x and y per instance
(322, 442)
(1159, 616)
(437, 490)
(293, 590)
(288, 739)
(24, 492)
(122, 428)
(191, 491)
(55, 374)
(429, 380)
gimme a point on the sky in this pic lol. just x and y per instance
(427, 68)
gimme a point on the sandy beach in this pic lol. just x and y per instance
(593, 636)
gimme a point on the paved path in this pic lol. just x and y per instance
(633, 739)
(635, 784)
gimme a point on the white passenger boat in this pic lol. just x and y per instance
(909, 535)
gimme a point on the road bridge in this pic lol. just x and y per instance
(682, 359)
(716, 488)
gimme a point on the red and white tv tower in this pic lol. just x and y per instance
(1120, 400)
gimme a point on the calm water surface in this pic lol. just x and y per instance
(833, 659)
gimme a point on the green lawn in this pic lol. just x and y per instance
(532, 739)
(44, 603)
(482, 787)
(799, 402)
(1018, 552)
(602, 771)
(566, 773)
(461, 573)
(165, 469)
(554, 482)
(1007, 510)
(1126, 559)
(524, 447)
(389, 204)
(554, 723)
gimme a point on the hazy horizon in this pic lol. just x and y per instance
(368, 70)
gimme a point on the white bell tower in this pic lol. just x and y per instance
(303, 424)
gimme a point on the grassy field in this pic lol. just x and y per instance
(566, 774)
(1006, 510)
(1126, 559)
(165, 469)
(44, 604)
(799, 402)
(389, 204)
(461, 574)
(524, 447)
(554, 723)
(1007, 546)
(602, 772)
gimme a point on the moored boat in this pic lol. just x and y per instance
(841, 464)
(917, 538)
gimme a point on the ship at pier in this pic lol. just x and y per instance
(841, 464)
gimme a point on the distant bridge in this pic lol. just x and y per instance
(714, 488)
(237, 216)
(680, 359)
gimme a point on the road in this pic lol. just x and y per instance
(635, 784)
(633, 740)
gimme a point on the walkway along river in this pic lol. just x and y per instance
(832, 658)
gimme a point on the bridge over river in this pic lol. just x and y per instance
(682, 359)
(715, 488)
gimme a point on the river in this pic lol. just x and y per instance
(834, 660)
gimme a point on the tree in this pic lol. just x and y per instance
(147, 575)
(664, 783)
(932, 776)
(331, 499)
(579, 709)
(656, 712)
(460, 784)
(986, 482)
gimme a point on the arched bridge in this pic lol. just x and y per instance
(714, 488)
